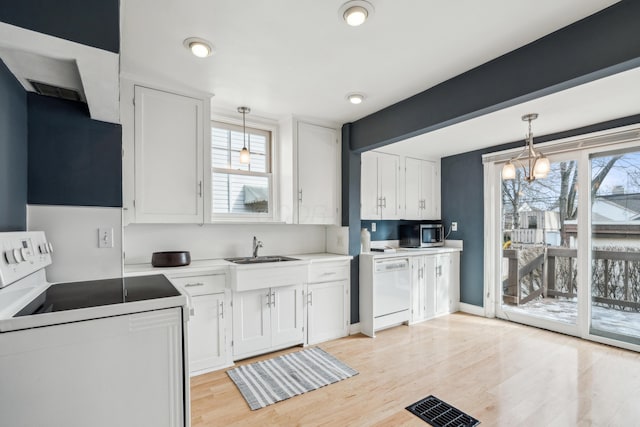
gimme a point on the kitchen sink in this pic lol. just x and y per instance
(260, 259)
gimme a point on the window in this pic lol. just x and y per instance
(240, 189)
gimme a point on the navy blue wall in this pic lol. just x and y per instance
(387, 229)
(13, 152)
(73, 160)
(463, 201)
(91, 22)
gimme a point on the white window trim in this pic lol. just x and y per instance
(583, 146)
(274, 205)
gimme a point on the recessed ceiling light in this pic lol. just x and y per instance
(356, 12)
(199, 47)
(355, 98)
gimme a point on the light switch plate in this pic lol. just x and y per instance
(454, 226)
(105, 237)
(373, 227)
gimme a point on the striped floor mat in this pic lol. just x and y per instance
(270, 381)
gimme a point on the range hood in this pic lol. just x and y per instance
(64, 69)
(55, 77)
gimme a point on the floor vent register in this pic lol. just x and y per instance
(440, 414)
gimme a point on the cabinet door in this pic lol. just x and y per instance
(412, 188)
(206, 332)
(318, 183)
(168, 157)
(430, 278)
(443, 275)
(251, 321)
(454, 282)
(327, 311)
(388, 179)
(369, 198)
(429, 191)
(287, 315)
(418, 290)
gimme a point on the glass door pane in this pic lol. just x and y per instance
(615, 246)
(539, 253)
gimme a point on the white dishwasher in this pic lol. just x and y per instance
(391, 291)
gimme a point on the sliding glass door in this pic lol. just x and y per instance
(563, 252)
(539, 283)
(615, 245)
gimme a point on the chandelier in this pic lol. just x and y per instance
(534, 165)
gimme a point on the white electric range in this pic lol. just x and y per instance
(101, 352)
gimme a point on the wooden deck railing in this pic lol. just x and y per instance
(615, 277)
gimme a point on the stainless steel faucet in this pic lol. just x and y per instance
(257, 244)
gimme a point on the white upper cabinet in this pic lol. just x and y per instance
(309, 172)
(421, 186)
(168, 177)
(318, 174)
(380, 177)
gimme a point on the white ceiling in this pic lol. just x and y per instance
(297, 57)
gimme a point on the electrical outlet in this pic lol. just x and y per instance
(373, 227)
(454, 226)
(105, 237)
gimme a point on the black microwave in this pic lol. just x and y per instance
(421, 235)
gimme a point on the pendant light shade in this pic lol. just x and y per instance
(245, 156)
(509, 171)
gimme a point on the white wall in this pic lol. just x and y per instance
(220, 240)
(73, 232)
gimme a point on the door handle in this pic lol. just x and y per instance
(269, 299)
(273, 295)
(222, 309)
(300, 195)
(200, 188)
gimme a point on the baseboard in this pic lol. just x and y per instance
(472, 309)
(354, 328)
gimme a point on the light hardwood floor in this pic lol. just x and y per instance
(501, 373)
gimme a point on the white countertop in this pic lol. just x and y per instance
(212, 265)
(403, 252)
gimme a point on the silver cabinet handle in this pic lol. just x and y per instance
(269, 299)
(329, 273)
(384, 202)
(273, 295)
(300, 195)
(222, 309)
(193, 285)
(200, 188)
(310, 297)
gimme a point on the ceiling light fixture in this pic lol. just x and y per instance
(245, 156)
(199, 47)
(534, 165)
(356, 12)
(355, 98)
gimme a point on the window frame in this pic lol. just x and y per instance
(266, 128)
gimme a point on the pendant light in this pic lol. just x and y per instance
(534, 165)
(245, 156)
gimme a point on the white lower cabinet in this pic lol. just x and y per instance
(267, 319)
(208, 325)
(328, 302)
(206, 332)
(435, 285)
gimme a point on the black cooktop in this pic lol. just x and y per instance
(95, 293)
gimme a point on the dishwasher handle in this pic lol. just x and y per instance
(390, 265)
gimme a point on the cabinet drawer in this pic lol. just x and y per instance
(328, 272)
(201, 285)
